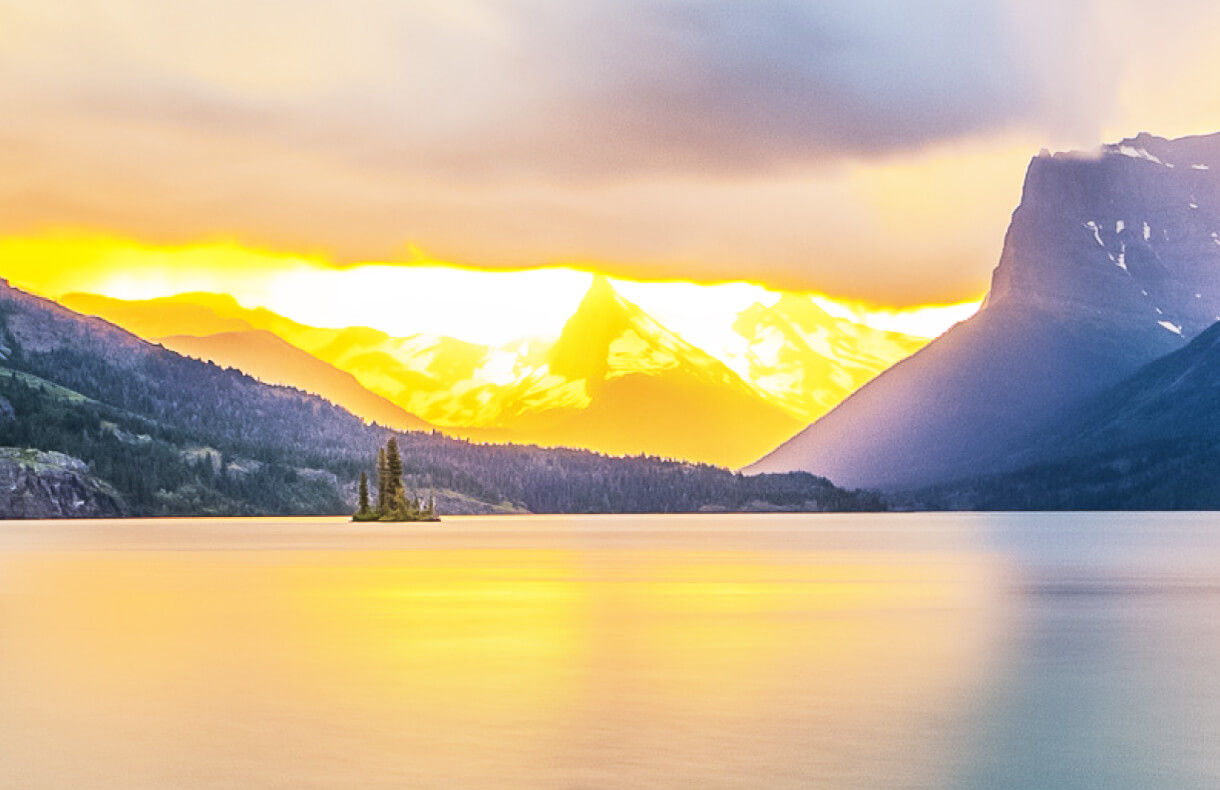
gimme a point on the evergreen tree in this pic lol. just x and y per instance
(364, 493)
(383, 482)
(393, 463)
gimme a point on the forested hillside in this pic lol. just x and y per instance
(177, 436)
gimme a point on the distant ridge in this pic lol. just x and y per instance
(615, 380)
(278, 362)
(146, 431)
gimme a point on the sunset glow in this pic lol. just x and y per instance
(475, 351)
(529, 394)
(425, 196)
(488, 307)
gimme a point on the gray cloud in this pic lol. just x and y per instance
(687, 138)
(620, 87)
(596, 88)
(727, 83)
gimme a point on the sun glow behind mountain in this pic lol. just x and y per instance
(414, 296)
(557, 355)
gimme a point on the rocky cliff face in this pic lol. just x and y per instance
(37, 484)
(1130, 234)
(1112, 260)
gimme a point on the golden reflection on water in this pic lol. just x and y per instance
(605, 664)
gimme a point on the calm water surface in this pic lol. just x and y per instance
(982, 651)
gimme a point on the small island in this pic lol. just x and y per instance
(393, 504)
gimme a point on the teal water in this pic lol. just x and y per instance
(777, 651)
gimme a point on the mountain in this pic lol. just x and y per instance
(1176, 397)
(450, 381)
(150, 432)
(615, 380)
(193, 314)
(1150, 442)
(1111, 260)
(808, 361)
(631, 383)
(275, 361)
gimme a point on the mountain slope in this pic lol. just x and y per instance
(808, 361)
(1150, 442)
(615, 380)
(442, 378)
(176, 436)
(1111, 260)
(1176, 397)
(640, 387)
(275, 361)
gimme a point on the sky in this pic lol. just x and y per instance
(864, 150)
(426, 297)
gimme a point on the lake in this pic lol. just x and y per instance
(576, 653)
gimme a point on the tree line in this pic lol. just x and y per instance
(393, 503)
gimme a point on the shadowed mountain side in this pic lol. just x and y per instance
(274, 361)
(1150, 442)
(1111, 260)
(1174, 398)
(961, 401)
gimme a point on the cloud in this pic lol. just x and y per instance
(600, 88)
(727, 84)
(673, 138)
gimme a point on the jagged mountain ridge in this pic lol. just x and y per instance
(807, 360)
(423, 374)
(636, 378)
(177, 436)
(1112, 259)
(1133, 231)
(615, 380)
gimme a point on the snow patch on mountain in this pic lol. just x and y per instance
(1096, 229)
(1140, 153)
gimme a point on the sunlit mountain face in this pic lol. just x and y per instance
(613, 378)
(717, 373)
(807, 360)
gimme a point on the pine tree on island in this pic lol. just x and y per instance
(364, 495)
(383, 477)
(393, 465)
(393, 504)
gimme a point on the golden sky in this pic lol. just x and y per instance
(426, 297)
(869, 151)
